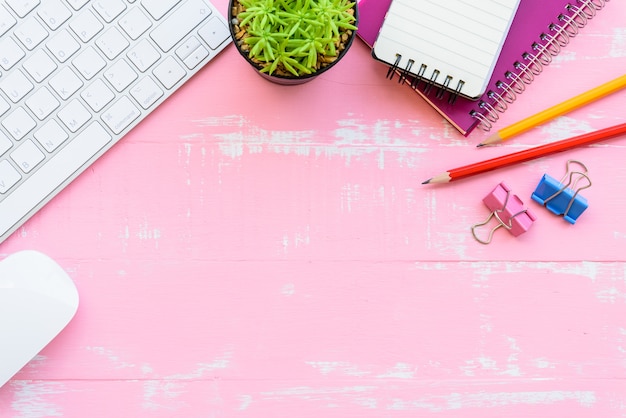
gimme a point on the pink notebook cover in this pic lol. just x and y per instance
(535, 25)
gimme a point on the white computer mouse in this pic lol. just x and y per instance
(37, 300)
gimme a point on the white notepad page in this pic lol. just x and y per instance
(460, 39)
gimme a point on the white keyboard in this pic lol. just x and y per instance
(77, 75)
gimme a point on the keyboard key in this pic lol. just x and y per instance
(65, 83)
(214, 33)
(53, 13)
(89, 63)
(27, 156)
(31, 33)
(86, 25)
(39, 65)
(22, 7)
(5, 143)
(9, 176)
(146, 92)
(120, 115)
(187, 47)
(42, 103)
(135, 23)
(109, 9)
(179, 23)
(112, 43)
(7, 21)
(50, 135)
(169, 72)
(18, 123)
(97, 95)
(196, 57)
(143, 55)
(16, 85)
(63, 45)
(158, 8)
(74, 115)
(43, 182)
(120, 75)
(10, 53)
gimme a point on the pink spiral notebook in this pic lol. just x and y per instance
(539, 31)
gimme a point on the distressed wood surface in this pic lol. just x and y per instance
(258, 250)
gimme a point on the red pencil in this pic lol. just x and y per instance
(529, 154)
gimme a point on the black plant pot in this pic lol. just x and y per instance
(288, 80)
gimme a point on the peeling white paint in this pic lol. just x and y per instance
(113, 358)
(484, 269)
(543, 363)
(400, 371)
(237, 121)
(244, 402)
(350, 194)
(611, 295)
(297, 239)
(317, 393)
(288, 289)
(565, 127)
(352, 139)
(162, 394)
(30, 399)
(457, 401)
(367, 402)
(618, 43)
(329, 367)
(203, 369)
(146, 232)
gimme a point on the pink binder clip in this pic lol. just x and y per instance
(509, 211)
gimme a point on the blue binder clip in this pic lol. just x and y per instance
(563, 198)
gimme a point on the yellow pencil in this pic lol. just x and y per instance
(554, 111)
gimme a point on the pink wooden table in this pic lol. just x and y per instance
(256, 250)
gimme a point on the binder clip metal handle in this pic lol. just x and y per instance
(508, 210)
(561, 197)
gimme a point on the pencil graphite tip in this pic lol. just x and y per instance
(441, 178)
(493, 139)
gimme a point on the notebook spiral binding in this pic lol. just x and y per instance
(574, 18)
(430, 81)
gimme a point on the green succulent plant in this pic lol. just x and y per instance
(293, 37)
